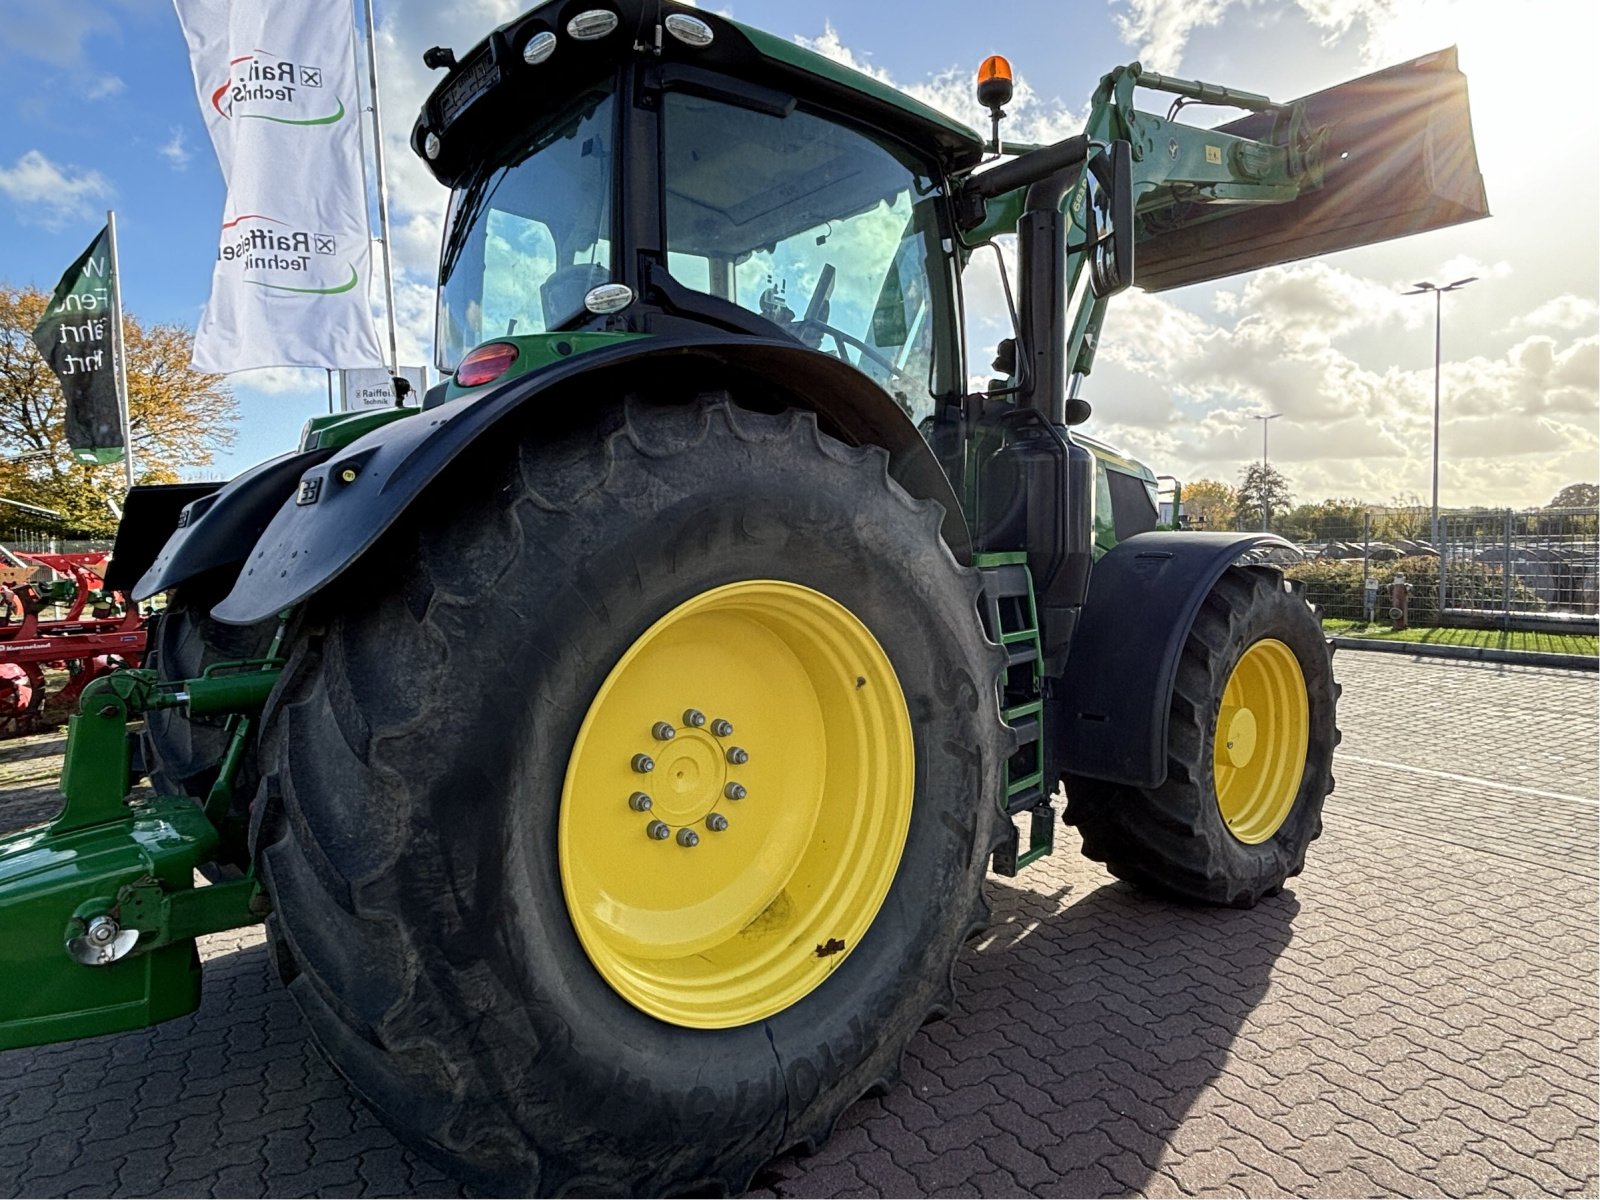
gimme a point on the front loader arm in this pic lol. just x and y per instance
(1383, 156)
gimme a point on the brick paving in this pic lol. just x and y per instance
(1415, 1016)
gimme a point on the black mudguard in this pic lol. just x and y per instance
(1117, 687)
(218, 530)
(343, 506)
(150, 512)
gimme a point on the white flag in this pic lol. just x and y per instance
(277, 87)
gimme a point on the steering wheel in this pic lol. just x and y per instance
(813, 326)
(842, 339)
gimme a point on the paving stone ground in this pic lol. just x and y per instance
(1414, 1016)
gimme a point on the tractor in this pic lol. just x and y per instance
(616, 744)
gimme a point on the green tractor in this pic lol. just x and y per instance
(615, 746)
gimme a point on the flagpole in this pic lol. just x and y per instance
(119, 368)
(383, 190)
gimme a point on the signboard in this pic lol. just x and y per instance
(370, 388)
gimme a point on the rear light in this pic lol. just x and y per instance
(486, 364)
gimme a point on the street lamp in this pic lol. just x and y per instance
(1264, 418)
(1438, 317)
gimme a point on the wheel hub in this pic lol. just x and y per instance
(691, 777)
(1239, 731)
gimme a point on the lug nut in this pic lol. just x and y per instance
(657, 831)
(735, 791)
(663, 732)
(639, 802)
(716, 822)
(688, 837)
(693, 718)
(737, 756)
(722, 728)
(643, 764)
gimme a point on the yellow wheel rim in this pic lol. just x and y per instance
(1263, 727)
(769, 732)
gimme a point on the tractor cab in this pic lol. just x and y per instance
(710, 180)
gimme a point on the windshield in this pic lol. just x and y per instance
(527, 238)
(819, 229)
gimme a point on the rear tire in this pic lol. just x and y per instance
(1176, 839)
(416, 753)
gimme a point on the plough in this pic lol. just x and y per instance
(99, 632)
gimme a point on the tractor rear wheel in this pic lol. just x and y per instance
(1250, 756)
(631, 836)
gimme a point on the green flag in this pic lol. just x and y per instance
(78, 339)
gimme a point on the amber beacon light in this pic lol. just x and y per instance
(994, 83)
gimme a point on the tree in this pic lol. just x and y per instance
(1408, 518)
(1209, 504)
(1333, 520)
(1576, 495)
(1262, 484)
(180, 417)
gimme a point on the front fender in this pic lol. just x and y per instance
(1116, 691)
(345, 504)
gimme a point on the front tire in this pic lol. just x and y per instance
(481, 932)
(1250, 747)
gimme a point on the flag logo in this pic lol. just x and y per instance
(264, 87)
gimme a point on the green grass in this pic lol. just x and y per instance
(1497, 639)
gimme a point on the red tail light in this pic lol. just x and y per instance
(486, 364)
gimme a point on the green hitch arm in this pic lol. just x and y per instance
(239, 691)
(98, 908)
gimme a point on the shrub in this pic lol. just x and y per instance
(1335, 585)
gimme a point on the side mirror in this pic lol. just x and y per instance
(1108, 220)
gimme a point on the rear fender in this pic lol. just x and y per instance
(1116, 691)
(216, 530)
(344, 505)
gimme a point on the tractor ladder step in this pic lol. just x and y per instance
(1011, 618)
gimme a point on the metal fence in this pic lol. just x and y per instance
(1533, 569)
(33, 541)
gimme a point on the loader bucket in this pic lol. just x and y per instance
(1399, 159)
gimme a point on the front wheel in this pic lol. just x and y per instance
(1249, 755)
(630, 838)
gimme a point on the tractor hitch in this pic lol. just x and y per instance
(98, 909)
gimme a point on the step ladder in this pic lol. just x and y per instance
(1011, 618)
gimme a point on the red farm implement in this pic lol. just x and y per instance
(56, 615)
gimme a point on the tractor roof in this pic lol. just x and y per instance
(469, 109)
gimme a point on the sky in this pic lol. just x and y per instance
(97, 111)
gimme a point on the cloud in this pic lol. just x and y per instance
(175, 150)
(49, 194)
(104, 87)
(1161, 28)
(1389, 31)
(52, 30)
(1030, 116)
(1564, 312)
(1310, 341)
